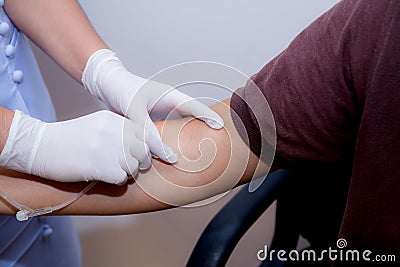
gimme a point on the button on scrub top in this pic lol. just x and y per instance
(40, 241)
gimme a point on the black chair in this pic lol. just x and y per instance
(310, 204)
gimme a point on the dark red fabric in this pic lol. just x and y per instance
(335, 97)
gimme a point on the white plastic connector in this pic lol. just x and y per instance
(22, 215)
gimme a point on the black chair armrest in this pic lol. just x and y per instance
(226, 229)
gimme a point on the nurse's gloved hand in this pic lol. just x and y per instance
(84, 149)
(106, 78)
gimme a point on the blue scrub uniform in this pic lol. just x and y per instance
(40, 241)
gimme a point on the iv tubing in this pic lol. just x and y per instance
(25, 212)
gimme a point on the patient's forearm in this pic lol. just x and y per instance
(210, 162)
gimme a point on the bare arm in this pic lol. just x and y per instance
(210, 162)
(6, 117)
(60, 28)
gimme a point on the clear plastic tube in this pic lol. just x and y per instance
(25, 212)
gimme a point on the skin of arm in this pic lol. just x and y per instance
(6, 117)
(210, 162)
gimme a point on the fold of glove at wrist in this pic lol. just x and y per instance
(22, 143)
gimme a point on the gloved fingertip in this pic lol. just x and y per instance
(122, 182)
(173, 158)
(215, 123)
(169, 155)
(147, 162)
(144, 166)
(132, 172)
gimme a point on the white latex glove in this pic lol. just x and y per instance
(106, 78)
(83, 149)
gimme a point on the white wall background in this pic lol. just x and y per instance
(150, 36)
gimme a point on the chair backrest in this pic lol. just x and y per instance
(309, 203)
(224, 231)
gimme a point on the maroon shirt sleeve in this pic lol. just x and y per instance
(310, 86)
(335, 97)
